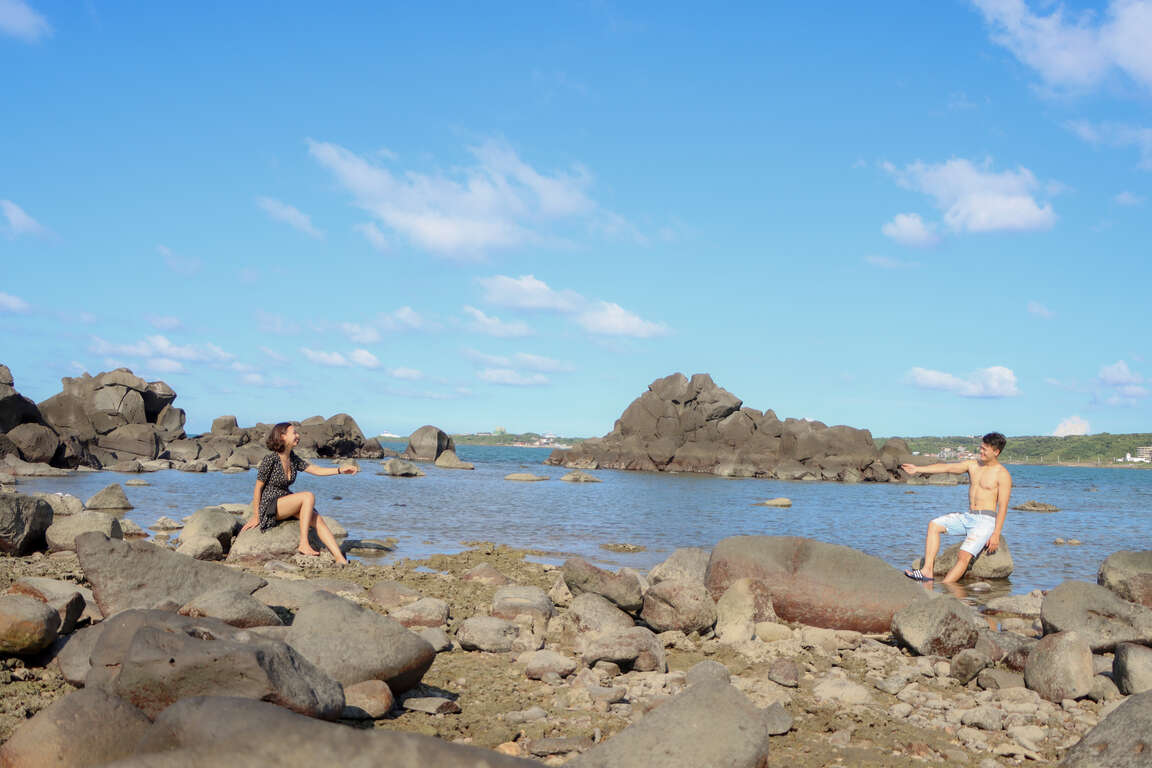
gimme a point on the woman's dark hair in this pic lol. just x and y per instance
(992, 440)
(275, 441)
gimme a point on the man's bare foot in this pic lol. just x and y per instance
(307, 552)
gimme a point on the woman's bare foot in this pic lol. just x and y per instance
(307, 552)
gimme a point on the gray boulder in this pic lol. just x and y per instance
(132, 440)
(488, 633)
(688, 564)
(681, 605)
(233, 607)
(1097, 613)
(111, 497)
(61, 535)
(1120, 740)
(157, 396)
(141, 575)
(154, 658)
(200, 548)
(595, 614)
(1060, 667)
(68, 415)
(986, 565)
(513, 600)
(745, 603)
(84, 728)
(36, 442)
(579, 476)
(1132, 668)
(622, 589)
(449, 460)
(635, 648)
(1129, 575)
(64, 597)
(708, 724)
(425, 612)
(63, 504)
(27, 625)
(427, 443)
(278, 542)
(935, 627)
(351, 644)
(541, 664)
(401, 468)
(73, 656)
(814, 583)
(24, 520)
(212, 523)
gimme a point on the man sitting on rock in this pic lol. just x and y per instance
(988, 492)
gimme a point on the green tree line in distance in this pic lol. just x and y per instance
(1103, 447)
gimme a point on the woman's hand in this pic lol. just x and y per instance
(252, 523)
(352, 469)
(911, 469)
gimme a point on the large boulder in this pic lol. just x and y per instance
(594, 614)
(15, 409)
(36, 442)
(678, 605)
(684, 564)
(64, 597)
(814, 583)
(427, 443)
(278, 542)
(132, 439)
(986, 565)
(139, 574)
(61, 535)
(1132, 668)
(110, 497)
(157, 396)
(514, 600)
(635, 648)
(67, 413)
(234, 607)
(351, 644)
(213, 523)
(155, 658)
(449, 460)
(1060, 667)
(623, 589)
(1120, 740)
(401, 468)
(1097, 614)
(27, 625)
(84, 728)
(710, 723)
(170, 423)
(940, 627)
(1129, 574)
(23, 523)
(338, 436)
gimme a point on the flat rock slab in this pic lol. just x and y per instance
(1097, 614)
(578, 476)
(1120, 740)
(141, 575)
(431, 705)
(708, 724)
(814, 583)
(61, 535)
(525, 477)
(780, 501)
(88, 727)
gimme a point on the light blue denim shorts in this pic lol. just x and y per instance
(975, 528)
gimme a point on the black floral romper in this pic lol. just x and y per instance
(276, 485)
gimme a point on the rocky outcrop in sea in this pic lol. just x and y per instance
(693, 425)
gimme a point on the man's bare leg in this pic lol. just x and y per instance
(931, 547)
(954, 574)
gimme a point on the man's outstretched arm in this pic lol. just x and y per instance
(955, 468)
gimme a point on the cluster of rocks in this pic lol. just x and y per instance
(693, 425)
(116, 420)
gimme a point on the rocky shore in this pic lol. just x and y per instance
(761, 651)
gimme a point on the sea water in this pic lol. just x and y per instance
(1107, 509)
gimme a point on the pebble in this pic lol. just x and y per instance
(432, 705)
(525, 716)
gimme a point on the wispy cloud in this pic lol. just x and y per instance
(270, 322)
(361, 334)
(975, 198)
(993, 382)
(10, 303)
(1118, 374)
(1073, 425)
(407, 374)
(608, 319)
(293, 217)
(17, 19)
(364, 358)
(332, 359)
(1120, 135)
(1039, 310)
(521, 360)
(374, 235)
(494, 326)
(1075, 51)
(158, 346)
(1128, 199)
(884, 262)
(1122, 386)
(274, 355)
(527, 292)
(181, 265)
(164, 322)
(18, 221)
(497, 202)
(511, 378)
(909, 229)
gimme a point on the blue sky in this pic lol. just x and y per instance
(920, 218)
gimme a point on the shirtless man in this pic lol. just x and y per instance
(990, 487)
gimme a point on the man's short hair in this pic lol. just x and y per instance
(995, 440)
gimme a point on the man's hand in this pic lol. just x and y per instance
(255, 521)
(993, 543)
(911, 469)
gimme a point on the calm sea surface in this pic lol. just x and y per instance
(1107, 509)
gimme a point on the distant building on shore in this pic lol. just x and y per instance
(1143, 455)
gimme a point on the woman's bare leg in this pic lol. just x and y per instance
(300, 505)
(325, 534)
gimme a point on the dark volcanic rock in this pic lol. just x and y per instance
(23, 523)
(814, 583)
(692, 425)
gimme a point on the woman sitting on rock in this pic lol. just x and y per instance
(273, 501)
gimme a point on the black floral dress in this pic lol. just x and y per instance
(276, 485)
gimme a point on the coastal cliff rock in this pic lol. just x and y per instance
(693, 425)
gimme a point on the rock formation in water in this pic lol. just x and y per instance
(693, 425)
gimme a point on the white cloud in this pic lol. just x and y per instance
(1073, 425)
(274, 354)
(974, 198)
(883, 262)
(375, 237)
(541, 363)
(10, 303)
(909, 229)
(165, 365)
(1128, 199)
(158, 346)
(1075, 51)
(526, 292)
(1117, 135)
(511, 378)
(19, 222)
(497, 202)
(334, 359)
(242, 367)
(293, 217)
(1118, 375)
(408, 374)
(181, 265)
(498, 361)
(608, 319)
(164, 322)
(361, 334)
(1038, 309)
(996, 381)
(405, 317)
(18, 20)
(364, 358)
(494, 326)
